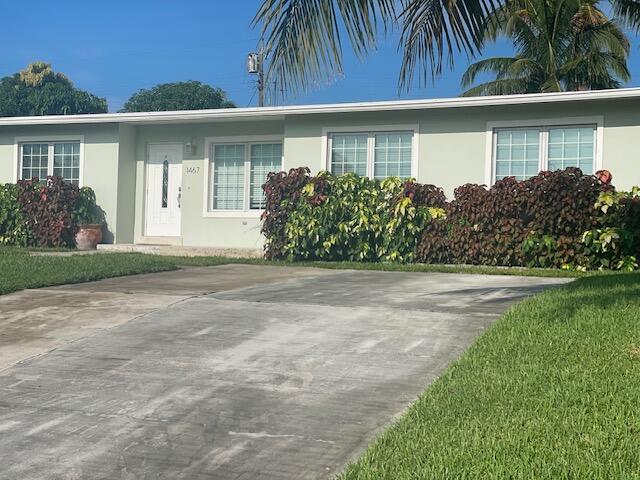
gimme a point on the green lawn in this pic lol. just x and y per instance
(551, 391)
(20, 270)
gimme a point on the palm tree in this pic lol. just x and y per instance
(561, 45)
(303, 41)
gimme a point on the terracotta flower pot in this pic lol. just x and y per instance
(88, 236)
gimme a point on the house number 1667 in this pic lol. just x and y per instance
(193, 170)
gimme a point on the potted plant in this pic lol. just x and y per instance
(89, 218)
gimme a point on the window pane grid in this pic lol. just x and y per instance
(571, 147)
(35, 160)
(392, 155)
(349, 154)
(66, 161)
(517, 150)
(265, 158)
(377, 155)
(228, 177)
(517, 153)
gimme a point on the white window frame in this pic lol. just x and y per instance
(371, 131)
(543, 125)
(247, 141)
(50, 139)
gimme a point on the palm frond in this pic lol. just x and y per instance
(497, 65)
(302, 37)
(509, 86)
(304, 45)
(434, 29)
(628, 10)
(560, 44)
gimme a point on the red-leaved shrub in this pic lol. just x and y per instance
(282, 191)
(47, 208)
(490, 226)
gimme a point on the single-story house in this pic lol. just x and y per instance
(194, 178)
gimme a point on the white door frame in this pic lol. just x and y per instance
(179, 149)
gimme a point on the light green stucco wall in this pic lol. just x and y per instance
(126, 183)
(452, 151)
(198, 230)
(452, 143)
(100, 168)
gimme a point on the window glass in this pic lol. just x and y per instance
(265, 158)
(66, 161)
(228, 177)
(230, 165)
(392, 155)
(349, 154)
(571, 147)
(165, 184)
(517, 153)
(35, 160)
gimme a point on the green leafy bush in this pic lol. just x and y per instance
(13, 230)
(561, 219)
(607, 249)
(622, 209)
(345, 218)
(45, 213)
(87, 211)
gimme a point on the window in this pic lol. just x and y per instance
(239, 170)
(349, 154)
(392, 155)
(42, 159)
(265, 158)
(165, 183)
(517, 153)
(571, 147)
(374, 154)
(35, 160)
(523, 152)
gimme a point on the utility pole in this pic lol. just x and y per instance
(260, 82)
(255, 66)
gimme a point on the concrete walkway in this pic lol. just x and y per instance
(231, 372)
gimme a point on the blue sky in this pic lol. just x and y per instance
(112, 48)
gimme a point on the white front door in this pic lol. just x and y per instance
(164, 190)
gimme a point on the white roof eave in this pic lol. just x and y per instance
(279, 113)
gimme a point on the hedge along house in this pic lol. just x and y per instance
(194, 178)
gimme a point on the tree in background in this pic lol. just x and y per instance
(303, 39)
(38, 90)
(189, 95)
(567, 45)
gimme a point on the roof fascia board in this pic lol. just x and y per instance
(276, 113)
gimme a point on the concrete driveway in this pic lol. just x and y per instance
(231, 372)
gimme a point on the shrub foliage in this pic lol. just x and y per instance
(327, 217)
(282, 193)
(537, 222)
(44, 213)
(561, 219)
(13, 229)
(48, 208)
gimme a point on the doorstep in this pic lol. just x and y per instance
(181, 251)
(147, 240)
